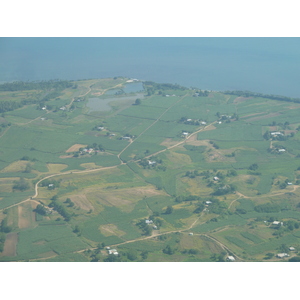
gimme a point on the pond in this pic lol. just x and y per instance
(100, 104)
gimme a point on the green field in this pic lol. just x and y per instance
(176, 177)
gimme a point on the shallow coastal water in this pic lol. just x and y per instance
(265, 65)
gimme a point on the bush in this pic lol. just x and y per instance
(20, 185)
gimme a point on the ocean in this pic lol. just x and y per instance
(264, 65)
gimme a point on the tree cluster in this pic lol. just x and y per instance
(267, 208)
(20, 185)
(41, 209)
(60, 208)
(2, 240)
(214, 144)
(50, 183)
(35, 85)
(255, 95)
(221, 189)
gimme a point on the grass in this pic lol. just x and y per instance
(42, 239)
(123, 195)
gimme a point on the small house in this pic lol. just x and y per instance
(276, 223)
(230, 258)
(208, 202)
(148, 221)
(188, 120)
(185, 133)
(154, 227)
(191, 233)
(216, 178)
(203, 123)
(113, 251)
(281, 150)
(151, 162)
(292, 249)
(282, 255)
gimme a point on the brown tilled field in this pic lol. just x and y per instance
(82, 202)
(10, 245)
(111, 229)
(75, 148)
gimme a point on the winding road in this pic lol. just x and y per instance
(123, 163)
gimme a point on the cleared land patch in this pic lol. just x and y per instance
(123, 197)
(26, 215)
(168, 142)
(17, 166)
(54, 168)
(89, 165)
(111, 229)
(271, 115)
(75, 148)
(10, 245)
(82, 202)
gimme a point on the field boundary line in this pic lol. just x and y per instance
(5, 131)
(152, 124)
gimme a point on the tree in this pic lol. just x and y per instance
(283, 248)
(77, 229)
(132, 255)
(168, 250)
(269, 255)
(144, 254)
(138, 101)
(40, 209)
(28, 168)
(253, 167)
(169, 210)
(295, 259)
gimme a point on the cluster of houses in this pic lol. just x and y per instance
(275, 133)
(112, 251)
(192, 121)
(87, 151)
(148, 222)
(282, 255)
(132, 80)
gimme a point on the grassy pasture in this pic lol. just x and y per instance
(72, 257)
(233, 132)
(119, 197)
(124, 124)
(142, 111)
(42, 239)
(160, 101)
(27, 112)
(235, 220)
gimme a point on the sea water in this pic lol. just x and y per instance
(265, 65)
